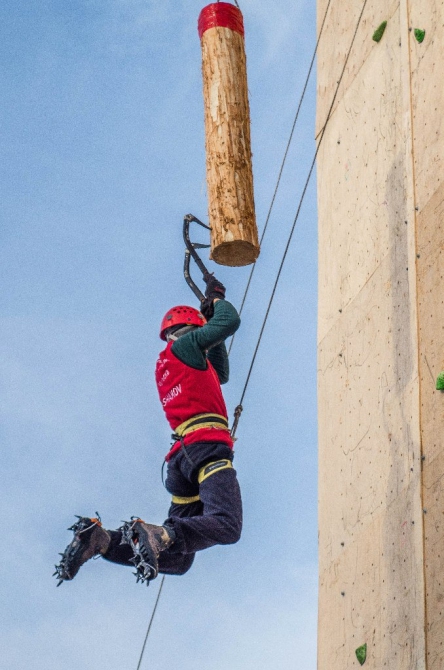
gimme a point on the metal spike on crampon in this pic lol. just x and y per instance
(145, 571)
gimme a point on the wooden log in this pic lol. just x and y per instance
(234, 238)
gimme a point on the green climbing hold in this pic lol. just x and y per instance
(361, 654)
(440, 382)
(419, 34)
(379, 32)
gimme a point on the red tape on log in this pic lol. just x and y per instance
(223, 15)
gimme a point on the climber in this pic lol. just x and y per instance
(206, 507)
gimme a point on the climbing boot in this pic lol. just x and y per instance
(146, 541)
(89, 540)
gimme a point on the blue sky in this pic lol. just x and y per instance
(102, 155)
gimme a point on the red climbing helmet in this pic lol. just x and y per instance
(182, 315)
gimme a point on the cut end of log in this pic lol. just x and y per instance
(235, 254)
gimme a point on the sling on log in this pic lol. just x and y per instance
(234, 238)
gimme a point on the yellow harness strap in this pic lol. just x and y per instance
(184, 501)
(205, 472)
(212, 468)
(202, 421)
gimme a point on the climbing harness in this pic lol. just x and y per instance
(189, 426)
(201, 421)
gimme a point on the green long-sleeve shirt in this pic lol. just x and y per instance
(195, 347)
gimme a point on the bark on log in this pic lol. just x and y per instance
(234, 238)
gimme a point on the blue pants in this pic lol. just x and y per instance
(214, 518)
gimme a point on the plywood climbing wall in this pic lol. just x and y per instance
(381, 337)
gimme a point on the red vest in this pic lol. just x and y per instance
(185, 392)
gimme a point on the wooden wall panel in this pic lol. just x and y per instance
(369, 448)
(368, 599)
(430, 269)
(434, 560)
(428, 141)
(427, 61)
(370, 535)
(381, 340)
(428, 148)
(337, 36)
(365, 150)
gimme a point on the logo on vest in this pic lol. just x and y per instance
(164, 376)
(175, 391)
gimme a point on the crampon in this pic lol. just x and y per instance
(89, 540)
(145, 560)
(146, 542)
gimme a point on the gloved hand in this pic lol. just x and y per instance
(207, 308)
(214, 287)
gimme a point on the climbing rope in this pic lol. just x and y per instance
(283, 162)
(151, 622)
(239, 407)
